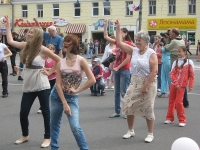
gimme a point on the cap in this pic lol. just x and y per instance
(97, 59)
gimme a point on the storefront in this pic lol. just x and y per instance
(95, 31)
(187, 27)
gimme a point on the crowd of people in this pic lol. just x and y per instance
(53, 71)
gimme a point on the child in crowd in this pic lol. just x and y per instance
(182, 71)
(49, 63)
(98, 74)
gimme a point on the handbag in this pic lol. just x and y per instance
(109, 60)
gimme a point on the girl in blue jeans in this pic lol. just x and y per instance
(121, 68)
(64, 96)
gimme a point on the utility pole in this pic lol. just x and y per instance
(140, 15)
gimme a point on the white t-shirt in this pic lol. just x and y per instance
(2, 47)
(107, 52)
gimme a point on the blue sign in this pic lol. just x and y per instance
(100, 23)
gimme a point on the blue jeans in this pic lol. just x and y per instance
(121, 81)
(56, 117)
(96, 89)
(165, 77)
(89, 54)
(26, 104)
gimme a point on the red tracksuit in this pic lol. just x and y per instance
(179, 76)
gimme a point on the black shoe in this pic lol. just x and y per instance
(186, 106)
(14, 74)
(20, 78)
(5, 95)
(11, 74)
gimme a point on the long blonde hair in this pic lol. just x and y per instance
(32, 47)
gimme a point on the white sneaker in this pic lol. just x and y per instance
(149, 138)
(158, 90)
(168, 122)
(182, 124)
(106, 87)
(39, 111)
(129, 134)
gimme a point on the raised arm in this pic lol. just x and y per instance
(19, 45)
(110, 40)
(123, 46)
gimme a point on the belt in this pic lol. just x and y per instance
(34, 67)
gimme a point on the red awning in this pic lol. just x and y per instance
(75, 28)
(21, 32)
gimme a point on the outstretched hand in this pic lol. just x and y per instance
(36, 22)
(117, 23)
(105, 22)
(6, 20)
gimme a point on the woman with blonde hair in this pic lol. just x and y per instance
(36, 82)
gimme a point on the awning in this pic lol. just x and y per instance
(58, 30)
(75, 28)
(21, 32)
(2, 30)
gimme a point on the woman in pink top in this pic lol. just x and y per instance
(64, 96)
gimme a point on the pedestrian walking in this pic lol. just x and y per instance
(36, 82)
(64, 96)
(182, 75)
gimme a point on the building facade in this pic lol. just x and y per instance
(84, 18)
(160, 15)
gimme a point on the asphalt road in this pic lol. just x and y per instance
(102, 133)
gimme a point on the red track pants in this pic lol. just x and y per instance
(176, 101)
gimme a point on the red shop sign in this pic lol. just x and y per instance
(21, 23)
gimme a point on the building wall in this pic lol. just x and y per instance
(67, 12)
(162, 12)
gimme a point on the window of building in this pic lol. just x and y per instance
(172, 7)
(106, 8)
(55, 10)
(95, 9)
(77, 10)
(40, 11)
(128, 12)
(192, 6)
(152, 7)
(25, 11)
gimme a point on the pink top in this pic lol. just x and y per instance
(50, 65)
(71, 76)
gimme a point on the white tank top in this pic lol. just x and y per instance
(140, 65)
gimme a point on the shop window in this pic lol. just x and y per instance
(25, 11)
(191, 37)
(40, 11)
(191, 6)
(77, 10)
(56, 10)
(128, 12)
(106, 8)
(152, 7)
(95, 9)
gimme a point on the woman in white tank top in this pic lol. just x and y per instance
(35, 83)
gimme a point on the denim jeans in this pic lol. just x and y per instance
(26, 104)
(121, 81)
(185, 98)
(96, 89)
(89, 54)
(56, 117)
